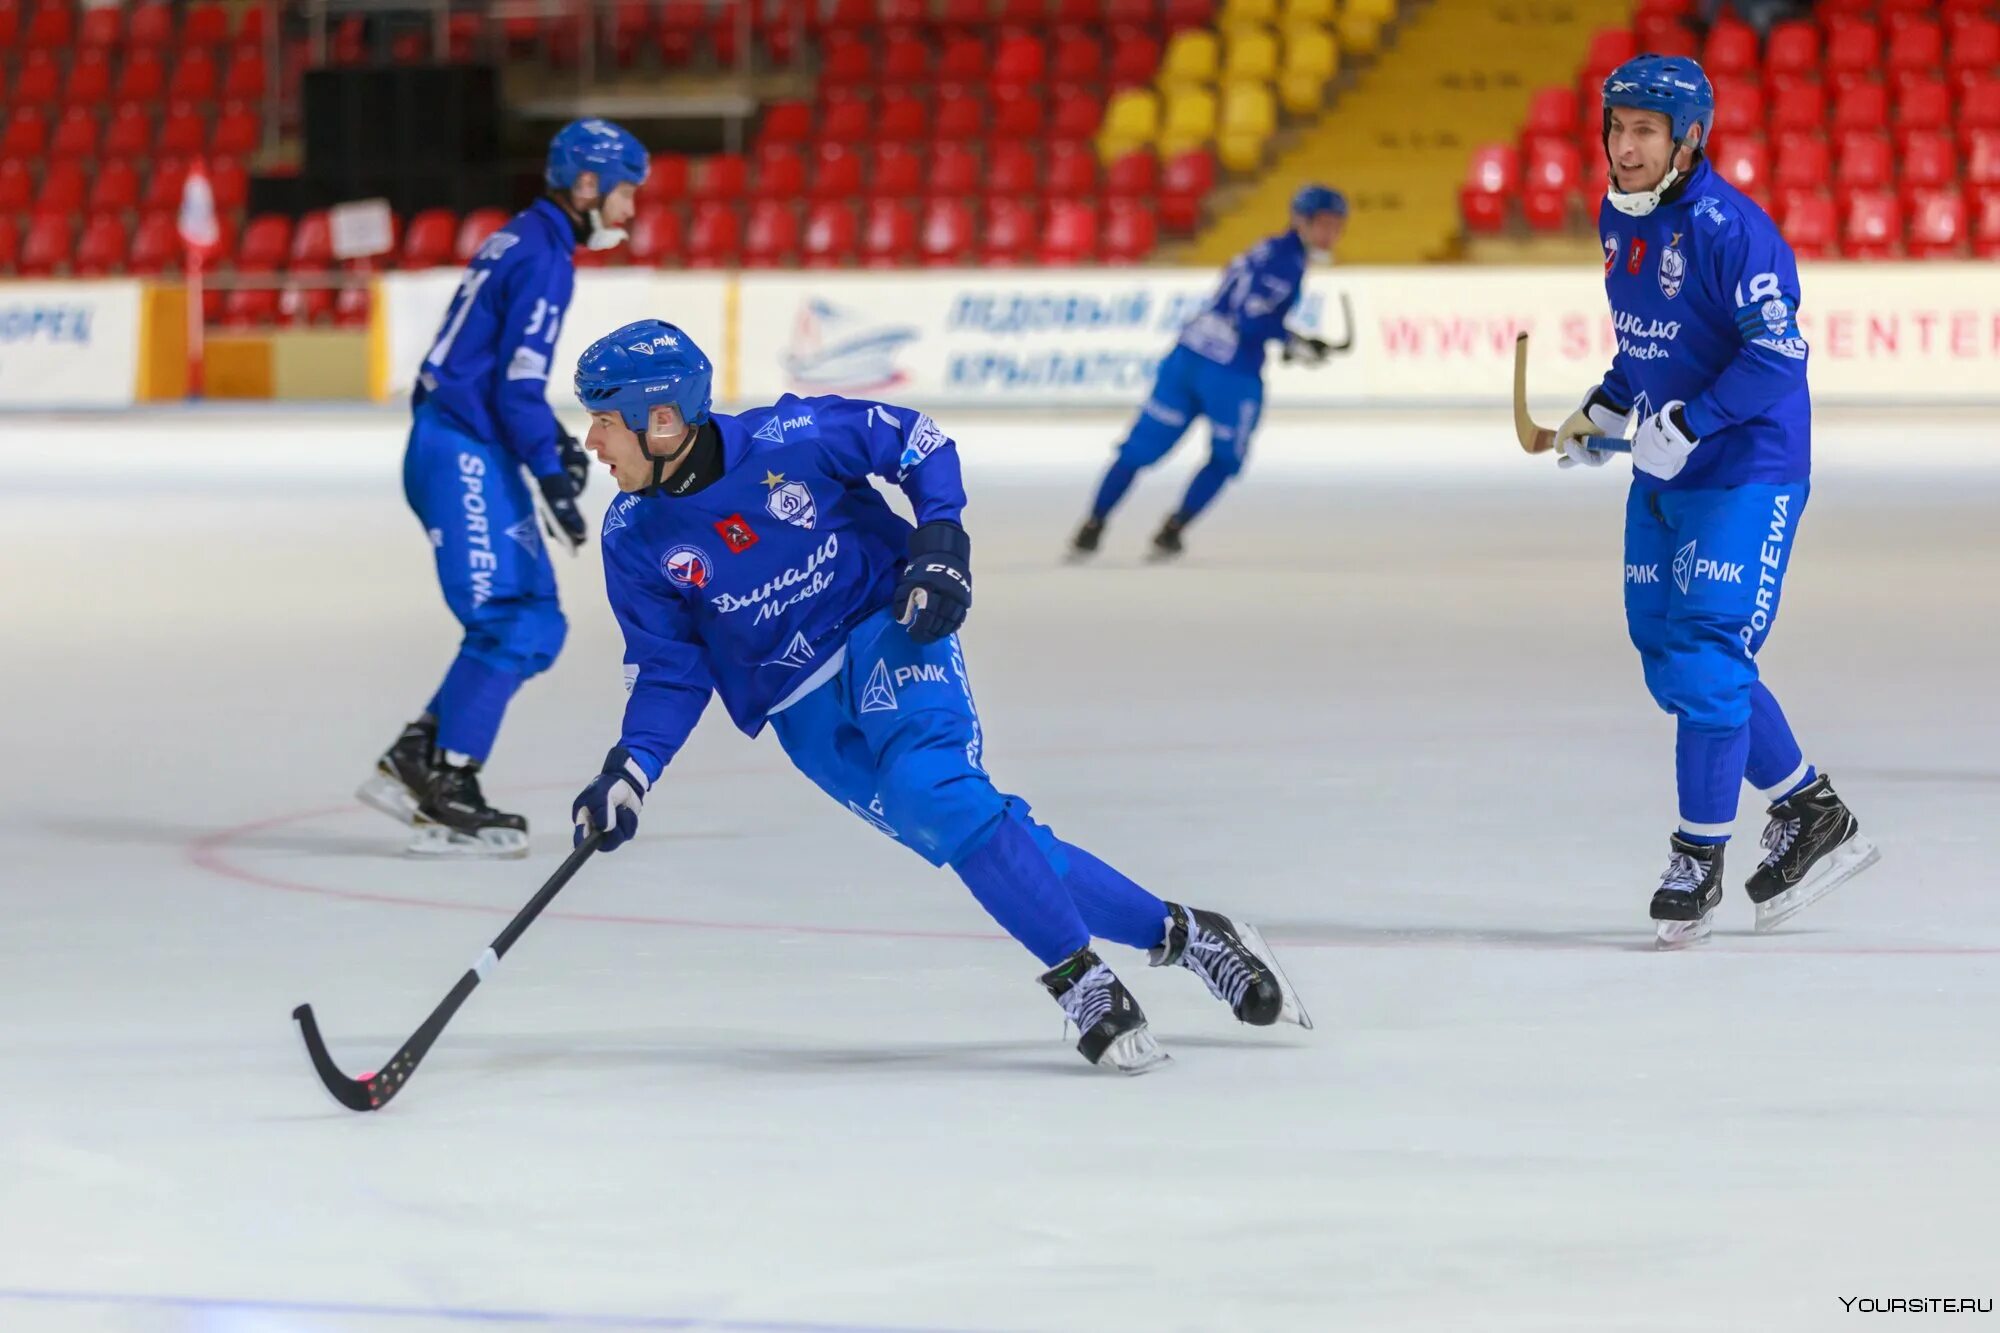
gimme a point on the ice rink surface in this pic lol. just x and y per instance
(764, 1070)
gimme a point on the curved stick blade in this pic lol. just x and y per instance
(1535, 439)
(354, 1094)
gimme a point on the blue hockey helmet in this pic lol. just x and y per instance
(642, 366)
(1674, 86)
(1312, 200)
(595, 145)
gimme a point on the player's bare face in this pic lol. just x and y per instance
(1321, 232)
(617, 208)
(617, 446)
(1640, 145)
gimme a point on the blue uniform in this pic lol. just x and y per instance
(1216, 370)
(771, 587)
(481, 416)
(1704, 297)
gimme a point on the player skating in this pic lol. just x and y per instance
(1216, 370)
(1704, 298)
(751, 557)
(481, 416)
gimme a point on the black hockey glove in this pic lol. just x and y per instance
(559, 494)
(935, 591)
(575, 461)
(1303, 347)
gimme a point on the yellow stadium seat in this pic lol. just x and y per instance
(1379, 10)
(1131, 122)
(1248, 108)
(1248, 13)
(1311, 61)
(1192, 59)
(1253, 56)
(1318, 13)
(1360, 34)
(1189, 121)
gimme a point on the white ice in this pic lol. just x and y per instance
(763, 1069)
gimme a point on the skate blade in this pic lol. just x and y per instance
(1682, 934)
(1841, 864)
(1133, 1053)
(437, 840)
(1292, 1010)
(389, 795)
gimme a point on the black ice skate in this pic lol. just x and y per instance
(1235, 963)
(1812, 846)
(1167, 541)
(1084, 544)
(455, 820)
(1115, 1036)
(1688, 894)
(396, 788)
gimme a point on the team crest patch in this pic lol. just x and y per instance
(1684, 567)
(1637, 255)
(770, 431)
(1673, 268)
(736, 534)
(1610, 252)
(1777, 316)
(687, 567)
(793, 502)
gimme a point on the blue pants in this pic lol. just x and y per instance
(895, 738)
(494, 570)
(1188, 385)
(1703, 574)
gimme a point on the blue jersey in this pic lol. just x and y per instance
(1704, 300)
(750, 586)
(1259, 289)
(488, 370)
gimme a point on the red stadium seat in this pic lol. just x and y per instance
(46, 246)
(903, 119)
(1664, 34)
(1129, 231)
(312, 244)
(1986, 227)
(1730, 49)
(898, 173)
(845, 121)
(1864, 162)
(1973, 48)
(1982, 158)
(205, 23)
(89, 82)
(150, 28)
(1928, 159)
(483, 222)
(182, 132)
(101, 248)
(265, 243)
(237, 132)
(27, 134)
(963, 60)
(1924, 104)
(666, 182)
(1853, 51)
(39, 80)
(1131, 13)
(1746, 164)
(680, 27)
(1023, 13)
(229, 182)
(100, 29)
(715, 240)
(1072, 171)
(772, 237)
(52, 28)
(194, 78)
(245, 80)
(63, 190)
(1861, 106)
(1019, 61)
(1012, 170)
(10, 236)
(780, 173)
(1979, 104)
(1133, 176)
(831, 239)
(961, 15)
(837, 171)
(890, 235)
(1076, 116)
(1135, 59)
(1009, 233)
(721, 177)
(1017, 114)
(17, 186)
(350, 307)
(1739, 108)
(1078, 58)
(1185, 182)
(953, 171)
(1070, 234)
(1791, 51)
(114, 189)
(1179, 14)
(960, 119)
(786, 123)
(75, 136)
(846, 62)
(1872, 227)
(1553, 113)
(631, 24)
(1797, 107)
(1937, 225)
(129, 133)
(1809, 223)
(249, 307)
(905, 62)
(947, 236)
(1917, 45)
(427, 241)
(659, 237)
(1549, 180)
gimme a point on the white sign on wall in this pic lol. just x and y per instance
(69, 344)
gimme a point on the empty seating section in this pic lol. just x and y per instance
(1869, 131)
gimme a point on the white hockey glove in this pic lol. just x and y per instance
(611, 802)
(1595, 416)
(1662, 446)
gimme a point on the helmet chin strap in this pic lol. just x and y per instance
(601, 236)
(1639, 203)
(659, 461)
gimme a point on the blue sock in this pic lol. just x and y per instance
(470, 704)
(1708, 769)
(1112, 489)
(1113, 906)
(1776, 767)
(1014, 881)
(1206, 485)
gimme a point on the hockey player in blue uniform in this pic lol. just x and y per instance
(1704, 299)
(1216, 370)
(481, 416)
(751, 557)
